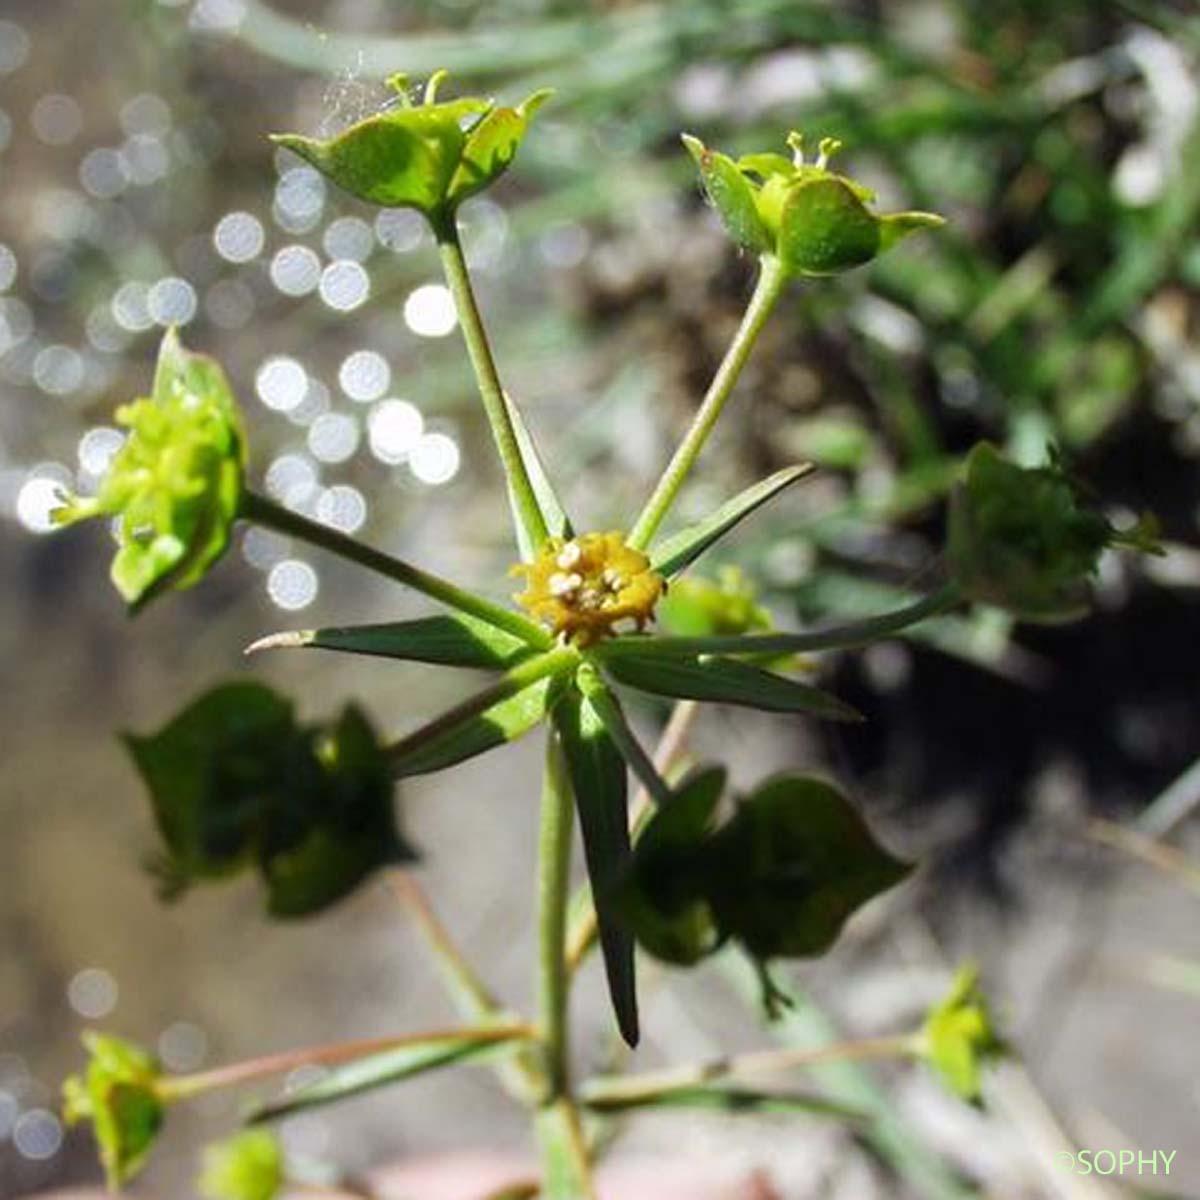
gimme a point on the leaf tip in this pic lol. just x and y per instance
(288, 639)
(694, 145)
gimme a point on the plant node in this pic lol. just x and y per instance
(584, 587)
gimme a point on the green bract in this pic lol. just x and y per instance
(175, 486)
(815, 222)
(246, 1167)
(429, 156)
(1025, 539)
(958, 1037)
(236, 782)
(118, 1093)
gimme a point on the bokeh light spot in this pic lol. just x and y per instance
(344, 285)
(295, 270)
(393, 428)
(364, 375)
(435, 458)
(429, 311)
(92, 993)
(281, 383)
(292, 584)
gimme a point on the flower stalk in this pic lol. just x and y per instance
(772, 279)
(264, 511)
(526, 509)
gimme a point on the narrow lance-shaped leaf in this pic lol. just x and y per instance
(558, 524)
(423, 1053)
(600, 784)
(450, 639)
(501, 713)
(719, 680)
(683, 548)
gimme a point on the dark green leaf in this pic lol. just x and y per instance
(799, 860)
(683, 548)
(721, 680)
(235, 781)
(211, 771)
(413, 1057)
(450, 639)
(664, 894)
(600, 784)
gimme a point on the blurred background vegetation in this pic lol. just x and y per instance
(1059, 307)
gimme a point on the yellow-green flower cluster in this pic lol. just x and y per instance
(430, 156)
(119, 1094)
(810, 219)
(175, 486)
(583, 587)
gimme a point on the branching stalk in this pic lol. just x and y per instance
(771, 281)
(618, 1090)
(521, 1074)
(264, 511)
(181, 1087)
(527, 510)
(838, 637)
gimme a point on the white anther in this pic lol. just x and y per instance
(569, 555)
(562, 584)
(612, 579)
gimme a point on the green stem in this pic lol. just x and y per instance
(554, 867)
(565, 1160)
(840, 637)
(771, 281)
(528, 511)
(618, 1091)
(182, 1087)
(521, 1074)
(264, 511)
